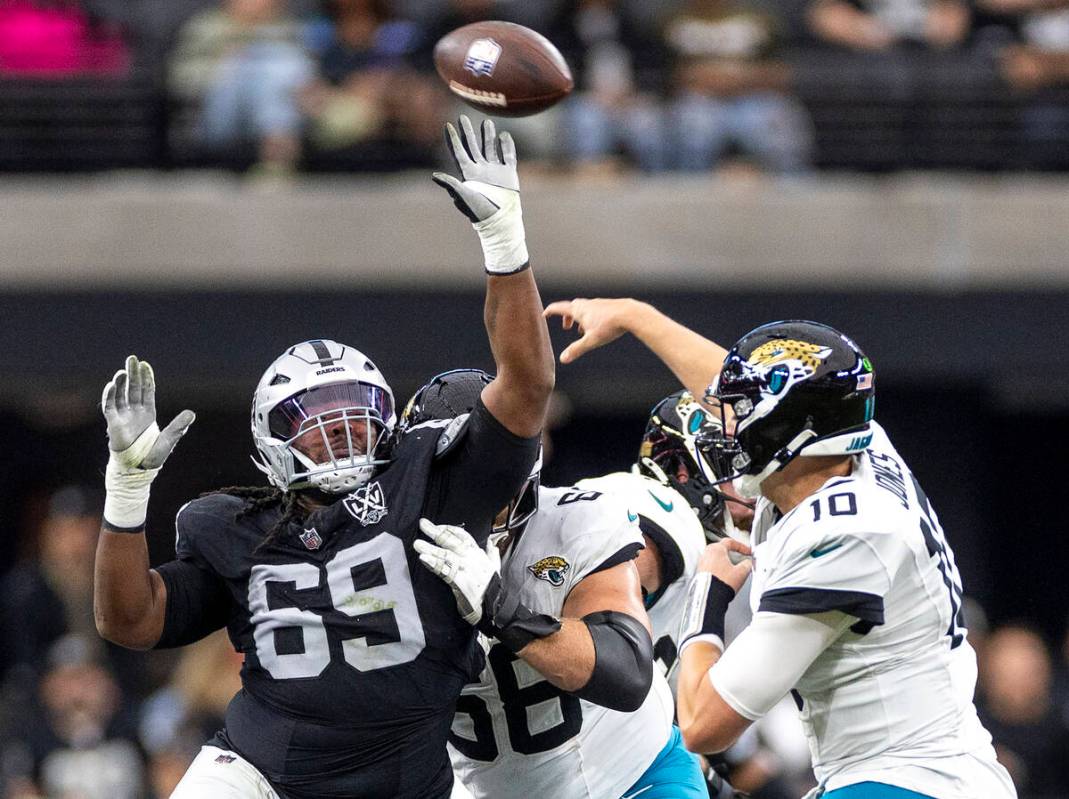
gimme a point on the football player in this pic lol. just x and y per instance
(673, 489)
(568, 704)
(856, 596)
(354, 654)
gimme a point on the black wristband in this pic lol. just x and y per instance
(708, 598)
(112, 528)
(505, 619)
(526, 265)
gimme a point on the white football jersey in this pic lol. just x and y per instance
(668, 519)
(891, 699)
(517, 735)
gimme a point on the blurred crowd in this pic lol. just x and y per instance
(81, 719)
(687, 85)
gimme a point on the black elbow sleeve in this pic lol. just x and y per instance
(623, 665)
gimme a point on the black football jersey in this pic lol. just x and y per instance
(354, 653)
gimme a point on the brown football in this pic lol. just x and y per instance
(502, 69)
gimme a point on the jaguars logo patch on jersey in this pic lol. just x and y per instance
(552, 569)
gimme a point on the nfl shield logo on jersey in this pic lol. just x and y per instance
(482, 57)
(311, 539)
(367, 504)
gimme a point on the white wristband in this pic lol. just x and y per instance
(502, 235)
(126, 503)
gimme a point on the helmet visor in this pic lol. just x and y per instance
(287, 419)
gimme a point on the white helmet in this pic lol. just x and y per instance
(309, 389)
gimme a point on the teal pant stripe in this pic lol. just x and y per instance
(873, 790)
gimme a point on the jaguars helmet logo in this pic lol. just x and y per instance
(552, 569)
(784, 350)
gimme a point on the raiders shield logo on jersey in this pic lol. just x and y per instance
(367, 504)
(552, 569)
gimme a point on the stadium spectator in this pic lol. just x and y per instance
(880, 25)
(242, 64)
(368, 88)
(58, 39)
(75, 742)
(1030, 738)
(618, 70)
(42, 599)
(732, 89)
(176, 719)
(1036, 67)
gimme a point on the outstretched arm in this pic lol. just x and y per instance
(489, 195)
(694, 359)
(129, 598)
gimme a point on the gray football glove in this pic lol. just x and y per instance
(138, 447)
(489, 194)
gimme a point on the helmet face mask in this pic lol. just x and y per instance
(795, 388)
(680, 449)
(322, 417)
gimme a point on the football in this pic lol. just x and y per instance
(502, 69)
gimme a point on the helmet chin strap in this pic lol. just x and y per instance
(749, 485)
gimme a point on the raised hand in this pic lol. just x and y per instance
(488, 193)
(129, 405)
(600, 322)
(138, 447)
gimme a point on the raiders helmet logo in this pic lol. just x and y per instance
(367, 504)
(552, 569)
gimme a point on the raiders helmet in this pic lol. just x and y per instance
(679, 450)
(796, 388)
(304, 394)
(452, 394)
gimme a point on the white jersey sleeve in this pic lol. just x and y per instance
(516, 735)
(831, 567)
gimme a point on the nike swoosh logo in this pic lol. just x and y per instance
(640, 790)
(632, 517)
(816, 553)
(666, 505)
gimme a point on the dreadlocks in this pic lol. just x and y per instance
(260, 498)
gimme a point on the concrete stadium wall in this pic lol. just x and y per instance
(212, 232)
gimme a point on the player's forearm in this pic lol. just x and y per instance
(128, 597)
(694, 667)
(519, 340)
(566, 658)
(693, 359)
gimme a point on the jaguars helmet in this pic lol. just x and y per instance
(670, 454)
(307, 391)
(795, 388)
(452, 394)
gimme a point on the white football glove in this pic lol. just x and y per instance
(458, 560)
(137, 445)
(489, 194)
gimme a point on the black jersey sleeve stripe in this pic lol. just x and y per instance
(629, 552)
(867, 607)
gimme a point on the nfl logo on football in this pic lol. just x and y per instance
(482, 57)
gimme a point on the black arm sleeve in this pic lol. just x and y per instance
(623, 665)
(198, 604)
(475, 479)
